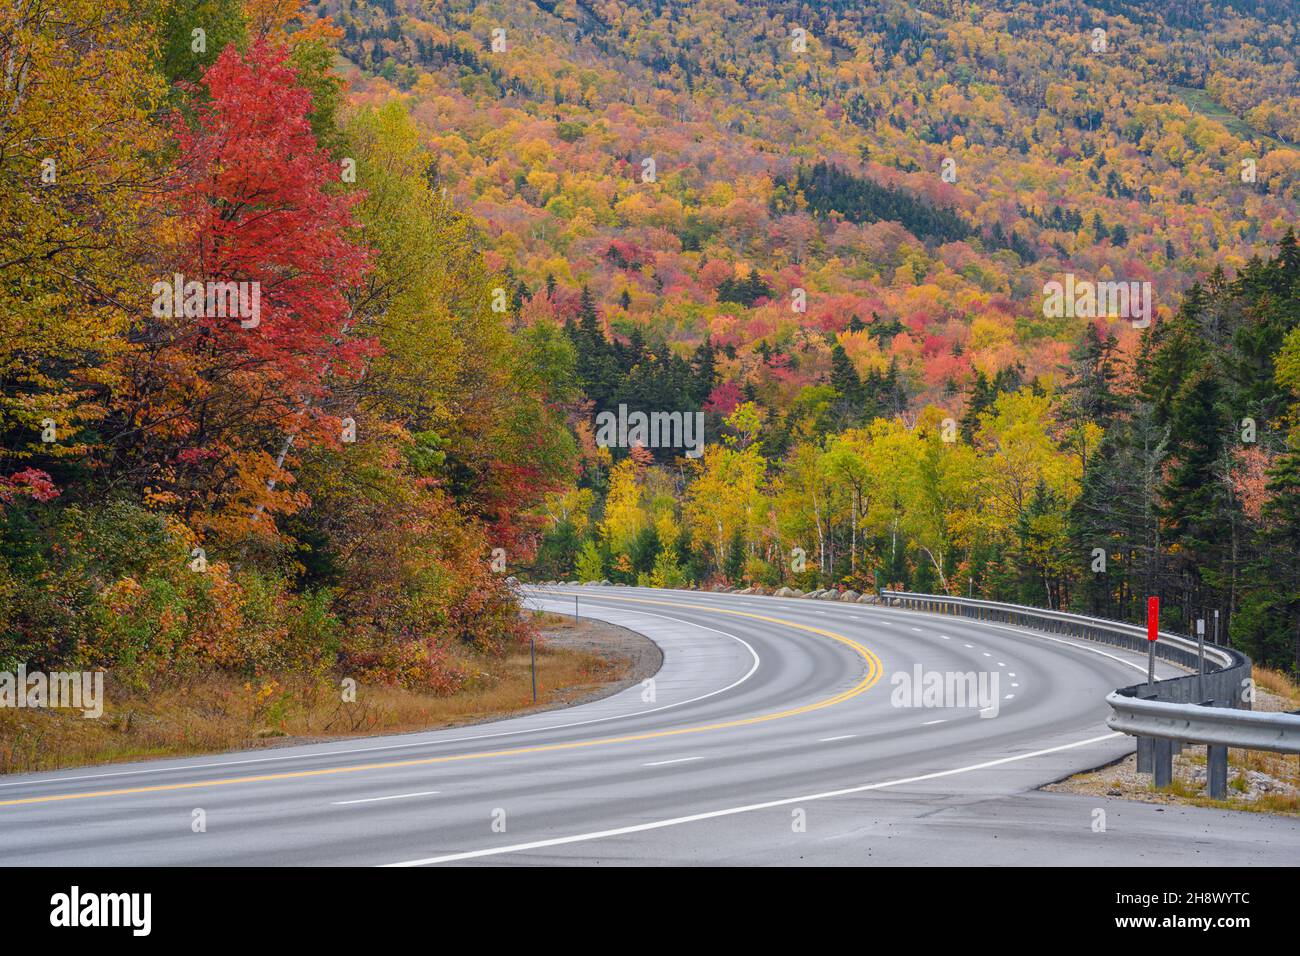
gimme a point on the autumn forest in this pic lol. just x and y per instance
(310, 313)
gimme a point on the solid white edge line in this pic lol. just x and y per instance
(395, 796)
(825, 740)
(731, 811)
(434, 743)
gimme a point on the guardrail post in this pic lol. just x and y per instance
(1164, 762)
(1216, 771)
(1145, 745)
(1145, 754)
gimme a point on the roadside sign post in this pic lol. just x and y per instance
(532, 653)
(1200, 658)
(1147, 756)
(1153, 632)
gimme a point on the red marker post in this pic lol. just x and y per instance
(1153, 634)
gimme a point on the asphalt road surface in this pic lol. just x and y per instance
(775, 733)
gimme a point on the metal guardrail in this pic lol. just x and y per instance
(1210, 707)
(1250, 730)
(1171, 647)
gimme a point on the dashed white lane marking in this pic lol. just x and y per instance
(1015, 685)
(917, 629)
(395, 796)
(987, 654)
(971, 646)
(945, 637)
(930, 722)
(825, 740)
(1003, 664)
(1009, 696)
(1012, 674)
(731, 811)
(664, 763)
(1029, 632)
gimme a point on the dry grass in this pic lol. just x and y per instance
(1279, 684)
(218, 713)
(549, 621)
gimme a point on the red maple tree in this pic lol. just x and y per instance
(217, 399)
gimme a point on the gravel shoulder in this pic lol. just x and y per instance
(632, 656)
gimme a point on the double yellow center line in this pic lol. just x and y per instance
(874, 670)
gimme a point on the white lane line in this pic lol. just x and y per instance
(1030, 633)
(1056, 640)
(826, 740)
(917, 629)
(929, 722)
(395, 796)
(987, 654)
(1003, 664)
(664, 763)
(438, 742)
(1026, 633)
(731, 811)
(1009, 697)
(971, 646)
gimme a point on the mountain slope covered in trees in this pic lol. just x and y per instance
(474, 226)
(830, 227)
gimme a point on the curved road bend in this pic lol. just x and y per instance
(770, 736)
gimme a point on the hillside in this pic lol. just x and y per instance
(994, 299)
(832, 227)
(1063, 160)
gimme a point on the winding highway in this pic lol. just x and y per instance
(778, 731)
